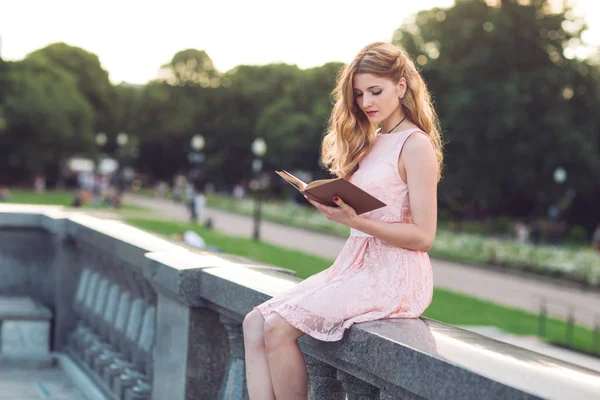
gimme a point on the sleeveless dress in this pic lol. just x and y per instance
(370, 279)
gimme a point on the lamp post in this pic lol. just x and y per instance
(101, 139)
(122, 139)
(560, 175)
(259, 149)
(196, 156)
(196, 159)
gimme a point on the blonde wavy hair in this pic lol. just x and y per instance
(350, 134)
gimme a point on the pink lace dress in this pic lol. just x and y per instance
(370, 279)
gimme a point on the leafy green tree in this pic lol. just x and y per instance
(294, 123)
(513, 101)
(47, 119)
(190, 67)
(91, 80)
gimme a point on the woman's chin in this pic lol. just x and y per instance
(374, 119)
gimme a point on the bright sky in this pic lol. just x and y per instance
(133, 38)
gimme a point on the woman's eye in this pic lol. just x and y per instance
(357, 94)
(377, 93)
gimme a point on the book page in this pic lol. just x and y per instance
(297, 183)
(320, 182)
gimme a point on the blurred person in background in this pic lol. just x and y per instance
(4, 193)
(596, 238)
(39, 183)
(161, 189)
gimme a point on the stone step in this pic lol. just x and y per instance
(24, 331)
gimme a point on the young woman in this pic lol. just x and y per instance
(383, 271)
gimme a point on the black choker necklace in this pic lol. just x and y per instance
(397, 125)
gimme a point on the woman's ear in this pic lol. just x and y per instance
(401, 87)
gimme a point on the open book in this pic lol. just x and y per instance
(324, 190)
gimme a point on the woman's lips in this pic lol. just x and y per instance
(371, 113)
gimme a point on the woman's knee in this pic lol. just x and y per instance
(277, 332)
(253, 327)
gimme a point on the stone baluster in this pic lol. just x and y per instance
(121, 360)
(128, 310)
(145, 358)
(80, 294)
(86, 310)
(324, 384)
(101, 341)
(91, 334)
(138, 370)
(357, 389)
(105, 357)
(234, 380)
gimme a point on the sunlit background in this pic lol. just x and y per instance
(134, 38)
(157, 111)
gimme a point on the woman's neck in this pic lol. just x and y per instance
(391, 123)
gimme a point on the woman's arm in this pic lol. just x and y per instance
(419, 161)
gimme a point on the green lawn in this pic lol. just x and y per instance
(449, 307)
(55, 198)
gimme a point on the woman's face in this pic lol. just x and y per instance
(377, 97)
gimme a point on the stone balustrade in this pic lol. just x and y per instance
(146, 318)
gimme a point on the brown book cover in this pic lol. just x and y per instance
(324, 190)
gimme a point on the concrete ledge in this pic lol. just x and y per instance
(206, 296)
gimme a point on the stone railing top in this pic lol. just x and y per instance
(419, 356)
(427, 357)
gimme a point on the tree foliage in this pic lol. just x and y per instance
(90, 78)
(513, 106)
(47, 118)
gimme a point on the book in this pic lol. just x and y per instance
(324, 190)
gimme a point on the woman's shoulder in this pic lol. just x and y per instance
(418, 140)
(418, 148)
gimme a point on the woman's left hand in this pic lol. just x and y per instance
(343, 214)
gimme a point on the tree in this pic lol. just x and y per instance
(295, 122)
(513, 102)
(90, 79)
(47, 119)
(190, 67)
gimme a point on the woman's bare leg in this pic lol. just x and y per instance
(258, 375)
(286, 362)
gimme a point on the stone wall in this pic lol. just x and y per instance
(148, 318)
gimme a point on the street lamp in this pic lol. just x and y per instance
(560, 175)
(122, 139)
(195, 176)
(196, 156)
(197, 142)
(101, 139)
(259, 149)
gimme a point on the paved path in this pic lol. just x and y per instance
(498, 287)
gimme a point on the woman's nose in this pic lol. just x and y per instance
(366, 101)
